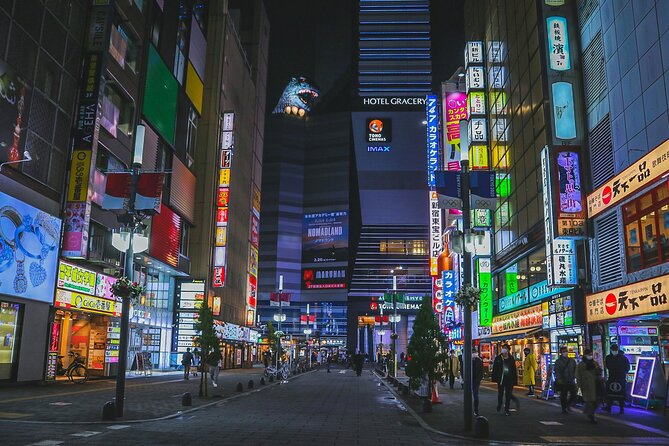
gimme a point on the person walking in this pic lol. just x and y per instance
(329, 361)
(401, 364)
(529, 371)
(565, 377)
(453, 368)
(214, 362)
(477, 376)
(196, 361)
(588, 375)
(358, 359)
(187, 361)
(504, 373)
(617, 366)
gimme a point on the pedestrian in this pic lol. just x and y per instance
(529, 371)
(504, 373)
(196, 361)
(358, 360)
(187, 361)
(565, 377)
(453, 368)
(402, 356)
(329, 361)
(477, 376)
(214, 362)
(462, 381)
(588, 375)
(617, 366)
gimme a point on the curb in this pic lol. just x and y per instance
(163, 418)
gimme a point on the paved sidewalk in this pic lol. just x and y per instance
(317, 408)
(146, 397)
(539, 421)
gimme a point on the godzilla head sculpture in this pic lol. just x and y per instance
(298, 97)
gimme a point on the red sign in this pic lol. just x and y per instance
(252, 291)
(255, 238)
(221, 216)
(55, 334)
(611, 303)
(311, 318)
(223, 196)
(165, 236)
(218, 276)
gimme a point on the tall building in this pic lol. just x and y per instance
(523, 81)
(40, 56)
(624, 47)
(390, 196)
(394, 48)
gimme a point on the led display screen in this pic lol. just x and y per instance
(325, 237)
(160, 96)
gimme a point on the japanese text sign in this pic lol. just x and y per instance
(432, 137)
(483, 267)
(571, 203)
(450, 286)
(518, 320)
(558, 43)
(649, 296)
(640, 174)
(436, 245)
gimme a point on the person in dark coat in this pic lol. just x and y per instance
(359, 359)
(477, 376)
(588, 375)
(504, 373)
(617, 366)
(187, 360)
(565, 379)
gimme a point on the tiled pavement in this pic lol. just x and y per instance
(312, 409)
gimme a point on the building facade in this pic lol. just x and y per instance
(624, 51)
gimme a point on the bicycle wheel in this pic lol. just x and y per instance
(284, 374)
(78, 374)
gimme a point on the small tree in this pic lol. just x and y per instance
(272, 338)
(427, 347)
(206, 341)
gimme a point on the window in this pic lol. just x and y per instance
(183, 242)
(646, 221)
(405, 247)
(191, 132)
(123, 47)
(117, 111)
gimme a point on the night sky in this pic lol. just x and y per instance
(317, 39)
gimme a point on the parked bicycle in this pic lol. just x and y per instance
(282, 371)
(76, 372)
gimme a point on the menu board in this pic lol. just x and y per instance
(643, 376)
(557, 312)
(113, 343)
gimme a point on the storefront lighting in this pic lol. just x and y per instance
(381, 332)
(280, 317)
(307, 331)
(394, 318)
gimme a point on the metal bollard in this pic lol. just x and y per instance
(186, 399)
(240, 387)
(109, 411)
(250, 384)
(262, 381)
(481, 427)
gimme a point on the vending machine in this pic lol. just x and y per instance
(635, 341)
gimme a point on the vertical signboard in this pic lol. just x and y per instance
(548, 211)
(570, 195)
(190, 298)
(87, 129)
(432, 113)
(483, 270)
(564, 116)
(449, 288)
(558, 43)
(436, 245)
(455, 106)
(222, 200)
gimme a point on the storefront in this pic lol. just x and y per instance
(238, 344)
(636, 317)
(86, 322)
(29, 239)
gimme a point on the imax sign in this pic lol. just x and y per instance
(378, 148)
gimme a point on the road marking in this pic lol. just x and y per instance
(13, 415)
(85, 434)
(47, 443)
(341, 372)
(605, 440)
(551, 423)
(116, 427)
(101, 389)
(59, 403)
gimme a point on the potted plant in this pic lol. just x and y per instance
(426, 352)
(467, 296)
(124, 288)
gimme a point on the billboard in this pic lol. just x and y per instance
(570, 196)
(323, 278)
(379, 130)
(325, 237)
(29, 241)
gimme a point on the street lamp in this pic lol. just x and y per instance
(395, 318)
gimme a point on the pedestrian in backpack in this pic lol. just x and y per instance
(214, 362)
(504, 373)
(477, 376)
(588, 374)
(187, 361)
(529, 371)
(617, 366)
(565, 379)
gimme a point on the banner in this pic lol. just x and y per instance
(148, 193)
(274, 299)
(482, 189)
(449, 189)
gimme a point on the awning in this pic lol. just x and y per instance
(514, 334)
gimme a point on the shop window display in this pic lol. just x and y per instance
(646, 222)
(10, 321)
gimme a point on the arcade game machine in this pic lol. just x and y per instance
(635, 341)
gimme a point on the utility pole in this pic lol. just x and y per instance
(278, 349)
(467, 270)
(395, 325)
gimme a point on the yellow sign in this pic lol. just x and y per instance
(518, 320)
(256, 199)
(221, 235)
(640, 174)
(500, 157)
(479, 157)
(224, 178)
(86, 303)
(80, 170)
(649, 296)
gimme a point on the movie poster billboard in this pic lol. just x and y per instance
(324, 278)
(325, 237)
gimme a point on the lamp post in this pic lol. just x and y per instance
(395, 319)
(467, 272)
(278, 349)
